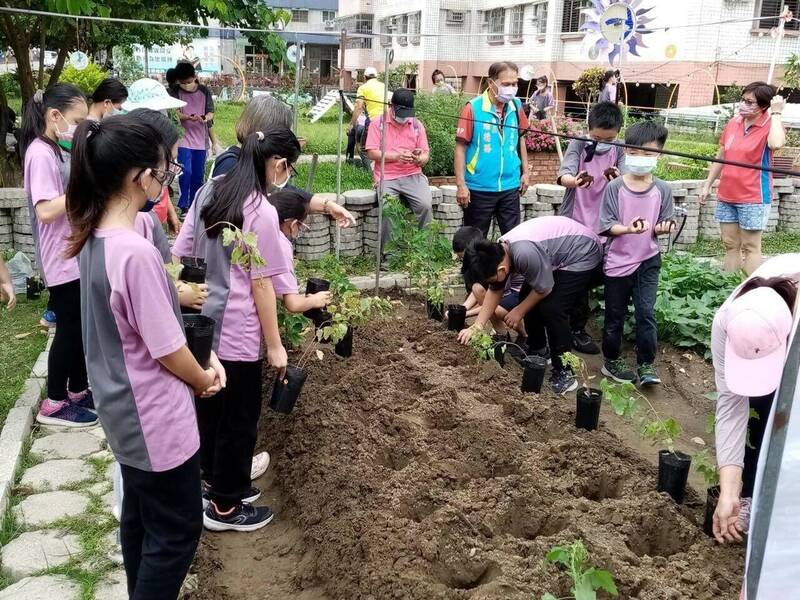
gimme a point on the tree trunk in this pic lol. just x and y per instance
(62, 58)
(5, 126)
(19, 43)
(42, 46)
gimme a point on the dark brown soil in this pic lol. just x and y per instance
(414, 471)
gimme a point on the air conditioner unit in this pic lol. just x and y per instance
(330, 25)
(455, 17)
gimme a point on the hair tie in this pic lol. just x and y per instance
(94, 127)
(260, 136)
(38, 96)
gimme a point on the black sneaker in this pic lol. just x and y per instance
(242, 517)
(618, 370)
(582, 342)
(253, 494)
(563, 381)
(648, 375)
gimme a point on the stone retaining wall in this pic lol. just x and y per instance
(15, 222)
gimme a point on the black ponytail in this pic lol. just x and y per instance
(162, 123)
(110, 89)
(247, 177)
(103, 155)
(60, 96)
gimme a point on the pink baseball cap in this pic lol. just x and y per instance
(758, 329)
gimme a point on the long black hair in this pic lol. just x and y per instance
(103, 155)
(290, 204)
(60, 96)
(110, 89)
(247, 177)
(785, 287)
(160, 122)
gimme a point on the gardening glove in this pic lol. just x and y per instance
(7, 295)
(192, 296)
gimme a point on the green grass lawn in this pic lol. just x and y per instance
(353, 178)
(18, 355)
(772, 243)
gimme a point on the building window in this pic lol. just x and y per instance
(328, 15)
(299, 15)
(773, 8)
(515, 23)
(573, 19)
(386, 30)
(496, 24)
(402, 29)
(414, 27)
(540, 18)
(359, 23)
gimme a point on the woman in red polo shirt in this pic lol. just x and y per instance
(745, 195)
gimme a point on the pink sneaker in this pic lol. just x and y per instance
(63, 413)
(743, 520)
(83, 399)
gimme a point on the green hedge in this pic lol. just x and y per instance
(439, 113)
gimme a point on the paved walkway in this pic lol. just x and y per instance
(62, 514)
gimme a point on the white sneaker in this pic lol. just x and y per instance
(259, 466)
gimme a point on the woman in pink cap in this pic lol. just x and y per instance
(749, 341)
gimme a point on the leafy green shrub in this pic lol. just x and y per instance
(587, 86)
(86, 80)
(128, 68)
(439, 114)
(10, 84)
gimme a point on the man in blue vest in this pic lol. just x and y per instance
(491, 161)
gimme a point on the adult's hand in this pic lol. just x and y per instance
(343, 217)
(725, 517)
(462, 196)
(705, 192)
(524, 184)
(777, 104)
(7, 295)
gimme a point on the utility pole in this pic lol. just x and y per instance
(342, 47)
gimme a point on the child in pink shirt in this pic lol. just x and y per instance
(48, 124)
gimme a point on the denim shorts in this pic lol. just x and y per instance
(750, 217)
(510, 300)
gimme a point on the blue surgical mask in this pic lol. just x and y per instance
(506, 93)
(640, 165)
(150, 203)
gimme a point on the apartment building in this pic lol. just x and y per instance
(683, 64)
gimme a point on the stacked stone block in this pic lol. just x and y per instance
(550, 195)
(370, 229)
(448, 212)
(15, 223)
(789, 210)
(315, 243)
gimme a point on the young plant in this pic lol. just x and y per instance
(245, 251)
(586, 579)
(294, 327)
(707, 467)
(483, 344)
(351, 310)
(578, 367)
(626, 401)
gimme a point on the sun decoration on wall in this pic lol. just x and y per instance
(615, 27)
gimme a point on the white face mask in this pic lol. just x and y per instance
(506, 93)
(280, 186)
(640, 165)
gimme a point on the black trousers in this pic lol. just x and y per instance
(66, 366)
(756, 427)
(641, 286)
(228, 424)
(549, 319)
(160, 526)
(579, 315)
(483, 206)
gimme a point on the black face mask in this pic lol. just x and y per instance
(497, 286)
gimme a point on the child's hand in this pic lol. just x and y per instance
(513, 319)
(192, 295)
(219, 377)
(465, 334)
(611, 173)
(638, 225)
(7, 295)
(276, 357)
(665, 227)
(584, 180)
(319, 300)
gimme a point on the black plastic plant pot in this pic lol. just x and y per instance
(314, 285)
(533, 374)
(286, 391)
(587, 412)
(673, 472)
(344, 347)
(323, 317)
(33, 288)
(194, 269)
(500, 349)
(456, 317)
(199, 336)
(435, 310)
(711, 506)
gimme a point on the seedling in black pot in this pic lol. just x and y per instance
(344, 347)
(194, 269)
(435, 310)
(199, 336)
(456, 317)
(314, 285)
(587, 399)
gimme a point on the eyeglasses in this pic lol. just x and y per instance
(175, 168)
(165, 178)
(748, 102)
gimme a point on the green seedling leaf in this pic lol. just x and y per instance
(711, 423)
(603, 580)
(622, 396)
(228, 235)
(707, 467)
(558, 555)
(250, 238)
(583, 589)
(548, 596)
(710, 396)
(174, 270)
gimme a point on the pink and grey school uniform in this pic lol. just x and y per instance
(149, 227)
(131, 318)
(583, 204)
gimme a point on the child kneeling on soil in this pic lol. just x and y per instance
(476, 293)
(243, 303)
(585, 179)
(636, 209)
(559, 260)
(292, 209)
(142, 372)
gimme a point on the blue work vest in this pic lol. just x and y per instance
(492, 160)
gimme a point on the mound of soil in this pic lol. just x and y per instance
(413, 470)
